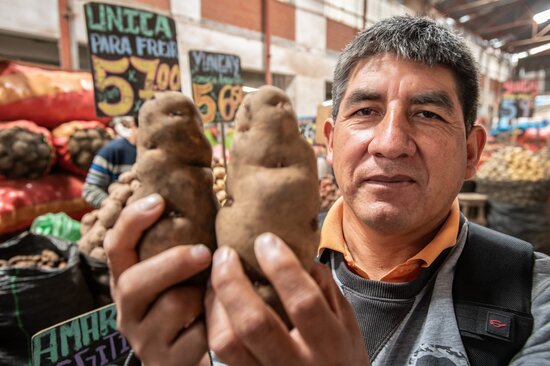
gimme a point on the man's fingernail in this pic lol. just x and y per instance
(149, 202)
(200, 252)
(221, 255)
(267, 245)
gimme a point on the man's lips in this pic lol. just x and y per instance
(390, 180)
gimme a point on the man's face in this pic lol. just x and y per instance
(399, 147)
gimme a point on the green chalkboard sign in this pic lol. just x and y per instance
(89, 339)
(133, 53)
(217, 85)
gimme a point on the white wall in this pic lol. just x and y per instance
(311, 28)
(36, 18)
(307, 93)
(186, 8)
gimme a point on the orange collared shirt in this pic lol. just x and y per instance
(332, 237)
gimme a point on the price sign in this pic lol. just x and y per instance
(217, 85)
(517, 100)
(89, 339)
(133, 54)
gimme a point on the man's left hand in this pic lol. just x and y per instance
(243, 330)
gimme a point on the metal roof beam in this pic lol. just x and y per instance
(543, 31)
(477, 5)
(502, 27)
(531, 42)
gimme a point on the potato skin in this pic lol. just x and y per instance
(173, 160)
(272, 183)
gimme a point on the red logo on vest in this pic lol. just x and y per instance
(497, 323)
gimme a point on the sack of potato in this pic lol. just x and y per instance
(46, 96)
(41, 284)
(26, 150)
(77, 143)
(22, 201)
(516, 176)
(272, 185)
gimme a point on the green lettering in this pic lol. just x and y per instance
(163, 25)
(90, 332)
(107, 320)
(114, 19)
(144, 24)
(100, 25)
(131, 26)
(70, 330)
(51, 349)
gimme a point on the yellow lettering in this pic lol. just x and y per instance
(204, 102)
(104, 82)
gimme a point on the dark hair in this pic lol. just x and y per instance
(417, 39)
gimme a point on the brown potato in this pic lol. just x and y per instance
(272, 183)
(110, 210)
(173, 160)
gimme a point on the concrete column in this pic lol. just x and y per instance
(188, 8)
(306, 94)
(311, 25)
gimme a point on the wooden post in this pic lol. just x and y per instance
(267, 42)
(68, 49)
(223, 145)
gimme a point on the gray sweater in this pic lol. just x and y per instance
(414, 323)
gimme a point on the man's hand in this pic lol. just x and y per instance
(243, 330)
(161, 319)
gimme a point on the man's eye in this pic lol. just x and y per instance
(429, 115)
(364, 112)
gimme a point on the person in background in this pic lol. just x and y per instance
(113, 159)
(393, 249)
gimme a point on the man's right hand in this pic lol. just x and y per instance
(162, 320)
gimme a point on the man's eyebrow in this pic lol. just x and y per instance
(361, 95)
(437, 98)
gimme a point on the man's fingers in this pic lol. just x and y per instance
(251, 319)
(187, 350)
(142, 283)
(335, 299)
(120, 242)
(191, 345)
(184, 304)
(303, 300)
(221, 338)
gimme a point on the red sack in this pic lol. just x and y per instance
(26, 150)
(74, 146)
(22, 200)
(47, 97)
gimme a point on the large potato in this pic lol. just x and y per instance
(272, 186)
(173, 159)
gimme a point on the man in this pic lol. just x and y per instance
(401, 140)
(113, 159)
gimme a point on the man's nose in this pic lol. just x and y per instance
(392, 136)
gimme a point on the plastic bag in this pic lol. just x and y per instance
(96, 273)
(59, 225)
(33, 299)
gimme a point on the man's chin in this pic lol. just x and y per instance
(390, 221)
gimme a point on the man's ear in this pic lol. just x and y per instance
(474, 147)
(328, 130)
